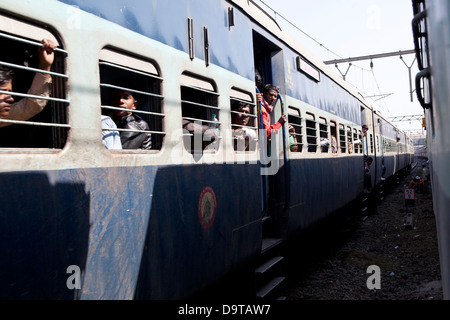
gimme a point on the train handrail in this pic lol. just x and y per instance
(286, 160)
(423, 74)
(417, 35)
(263, 160)
(424, 70)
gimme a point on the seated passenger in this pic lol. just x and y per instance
(292, 139)
(350, 145)
(110, 138)
(130, 120)
(334, 148)
(324, 144)
(241, 134)
(211, 139)
(27, 108)
(209, 135)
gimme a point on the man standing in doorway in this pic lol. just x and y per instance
(267, 100)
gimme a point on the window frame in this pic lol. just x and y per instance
(342, 138)
(238, 95)
(206, 89)
(295, 119)
(311, 118)
(130, 64)
(49, 128)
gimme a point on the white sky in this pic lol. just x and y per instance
(353, 28)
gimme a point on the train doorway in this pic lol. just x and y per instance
(268, 63)
(263, 51)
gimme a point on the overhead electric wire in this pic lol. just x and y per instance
(310, 37)
(306, 34)
(276, 13)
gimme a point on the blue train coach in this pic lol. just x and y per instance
(171, 215)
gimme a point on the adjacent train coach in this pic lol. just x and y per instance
(179, 205)
(431, 26)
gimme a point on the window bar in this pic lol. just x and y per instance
(35, 43)
(129, 69)
(244, 101)
(295, 116)
(131, 90)
(135, 111)
(201, 120)
(18, 66)
(133, 130)
(296, 125)
(200, 89)
(242, 126)
(34, 96)
(200, 104)
(245, 114)
(31, 123)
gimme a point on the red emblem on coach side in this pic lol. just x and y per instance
(207, 207)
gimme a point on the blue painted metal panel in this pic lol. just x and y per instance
(326, 94)
(134, 232)
(166, 21)
(321, 186)
(179, 247)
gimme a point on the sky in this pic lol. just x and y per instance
(355, 28)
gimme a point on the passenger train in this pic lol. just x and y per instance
(431, 26)
(80, 221)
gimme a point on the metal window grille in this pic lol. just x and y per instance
(324, 139)
(134, 76)
(199, 102)
(355, 138)
(371, 143)
(360, 139)
(295, 120)
(311, 132)
(49, 128)
(342, 139)
(238, 96)
(350, 140)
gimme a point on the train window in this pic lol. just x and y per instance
(31, 122)
(349, 140)
(371, 143)
(243, 118)
(333, 131)
(342, 138)
(356, 141)
(295, 119)
(323, 131)
(200, 114)
(360, 139)
(311, 132)
(132, 83)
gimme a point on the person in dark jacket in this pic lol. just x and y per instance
(130, 120)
